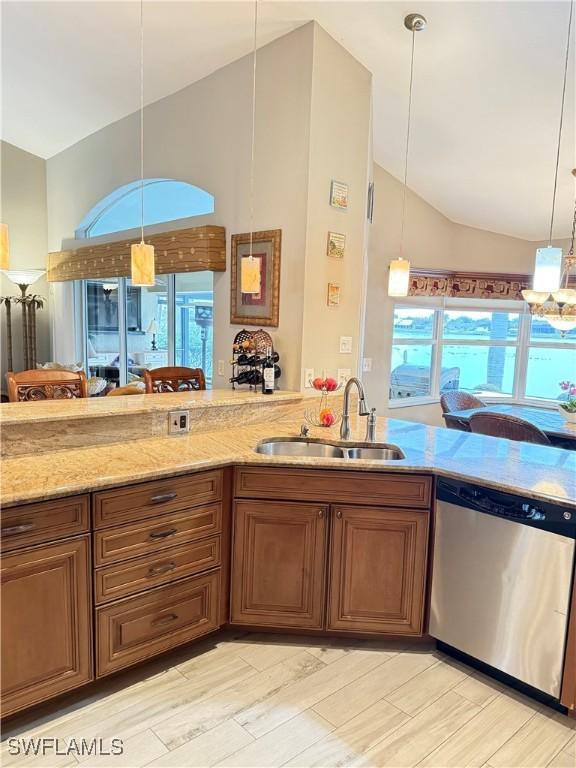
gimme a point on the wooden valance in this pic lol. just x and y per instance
(467, 285)
(183, 250)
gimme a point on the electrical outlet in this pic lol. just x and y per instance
(346, 345)
(343, 375)
(308, 377)
(178, 422)
(220, 367)
(367, 365)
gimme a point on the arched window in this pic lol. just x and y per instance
(164, 200)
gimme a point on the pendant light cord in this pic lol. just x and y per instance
(407, 148)
(142, 120)
(253, 136)
(567, 58)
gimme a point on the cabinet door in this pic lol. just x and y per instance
(46, 622)
(278, 570)
(378, 570)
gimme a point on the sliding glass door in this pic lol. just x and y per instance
(127, 329)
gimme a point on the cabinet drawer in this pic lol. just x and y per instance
(382, 488)
(129, 541)
(138, 502)
(125, 579)
(140, 627)
(46, 521)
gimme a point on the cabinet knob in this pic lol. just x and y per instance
(320, 513)
(339, 514)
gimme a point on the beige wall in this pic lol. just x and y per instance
(23, 208)
(432, 241)
(339, 148)
(202, 135)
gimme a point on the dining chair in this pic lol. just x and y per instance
(457, 400)
(510, 427)
(174, 379)
(46, 384)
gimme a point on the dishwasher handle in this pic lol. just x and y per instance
(481, 501)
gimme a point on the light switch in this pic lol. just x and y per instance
(178, 422)
(220, 367)
(308, 377)
(346, 345)
(367, 365)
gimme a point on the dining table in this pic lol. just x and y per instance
(560, 431)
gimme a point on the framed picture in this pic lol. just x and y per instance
(333, 294)
(339, 195)
(260, 275)
(336, 245)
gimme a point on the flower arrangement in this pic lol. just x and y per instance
(568, 406)
(326, 416)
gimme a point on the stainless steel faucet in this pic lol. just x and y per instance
(362, 408)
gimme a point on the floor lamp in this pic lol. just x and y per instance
(29, 303)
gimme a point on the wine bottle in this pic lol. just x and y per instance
(253, 377)
(255, 359)
(268, 370)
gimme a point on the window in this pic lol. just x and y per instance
(131, 328)
(164, 200)
(490, 352)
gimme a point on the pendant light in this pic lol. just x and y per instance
(250, 278)
(142, 255)
(399, 269)
(4, 247)
(550, 296)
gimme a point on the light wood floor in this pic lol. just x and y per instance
(261, 700)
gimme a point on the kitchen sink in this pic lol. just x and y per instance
(296, 447)
(303, 446)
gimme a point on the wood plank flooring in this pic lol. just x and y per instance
(270, 700)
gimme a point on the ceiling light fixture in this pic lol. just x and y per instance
(399, 269)
(142, 254)
(250, 277)
(4, 247)
(550, 296)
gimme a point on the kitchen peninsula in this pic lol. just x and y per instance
(148, 542)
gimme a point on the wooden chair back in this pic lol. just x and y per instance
(457, 400)
(174, 379)
(46, 384)
(510, 427)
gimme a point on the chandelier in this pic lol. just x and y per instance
(557, 307)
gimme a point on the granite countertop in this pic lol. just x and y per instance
(531, 471)
(95, 407)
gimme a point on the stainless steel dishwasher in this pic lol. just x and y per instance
(502, 580)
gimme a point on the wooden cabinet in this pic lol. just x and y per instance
(373, 580)
(45, 622)
(279, 564)
(378, 561)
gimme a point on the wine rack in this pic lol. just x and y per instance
(248, 350)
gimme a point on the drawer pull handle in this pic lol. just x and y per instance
(165, 568)
(162, 498)
(165, 619)
(13, 529)
(163, 534)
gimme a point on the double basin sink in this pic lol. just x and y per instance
(306, 446)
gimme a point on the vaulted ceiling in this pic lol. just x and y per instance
(486, 93)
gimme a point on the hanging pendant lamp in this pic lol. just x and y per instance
(4, 247)
(550, 296)
(399, 269)
(142, 254)
(250, 268)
